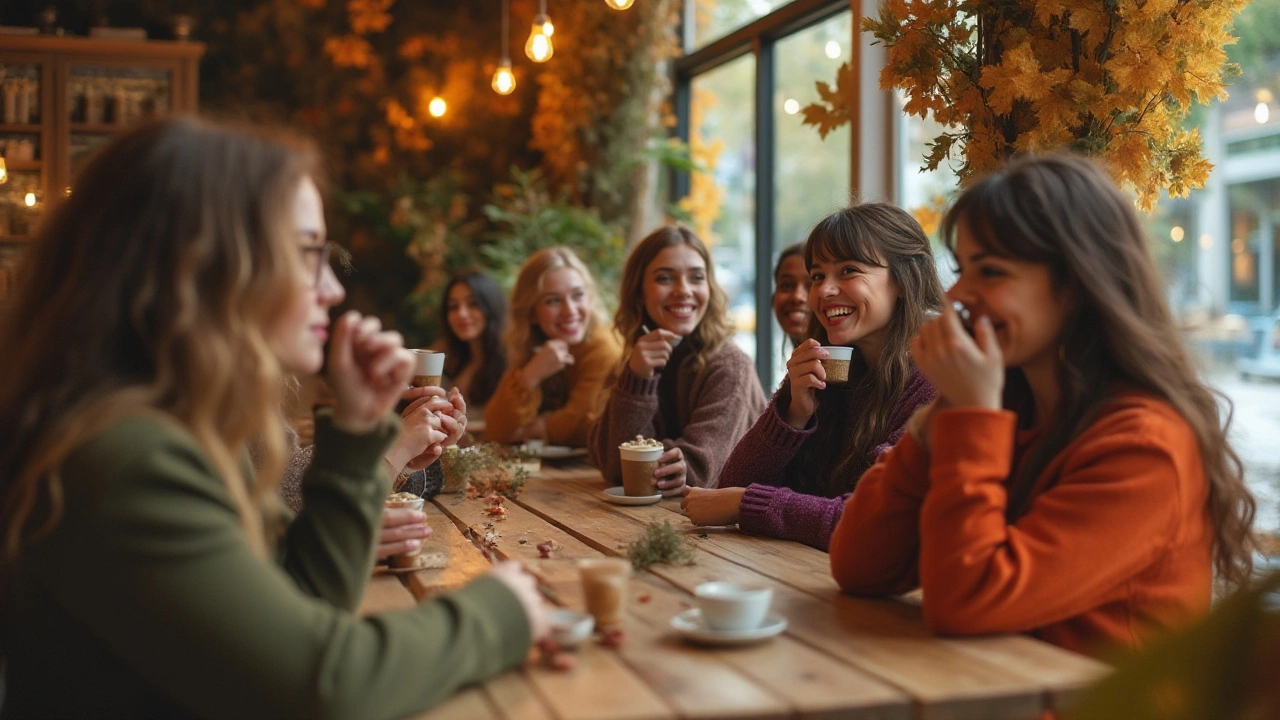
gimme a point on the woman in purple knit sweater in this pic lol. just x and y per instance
(873, 285)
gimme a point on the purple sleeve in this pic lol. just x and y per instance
(762, 455)
(789, 515)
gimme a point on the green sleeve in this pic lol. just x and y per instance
(328, 548)
(166, 583)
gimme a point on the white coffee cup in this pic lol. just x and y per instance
(729, 606)
(837, 362)
(428, 367)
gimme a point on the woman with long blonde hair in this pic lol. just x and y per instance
(684, 382)
(163, 305)
(560, 349)
(1073, 480)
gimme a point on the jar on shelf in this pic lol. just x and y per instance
(10, 90)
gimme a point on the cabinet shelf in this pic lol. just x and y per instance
(97, 128)
(21, 127)
(24, 165)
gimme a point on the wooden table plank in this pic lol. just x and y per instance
(814, 683)
(514, 697)
(466, 704)
(601, 685)
(385, 593)
(466, 562)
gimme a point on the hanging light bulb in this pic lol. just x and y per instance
(538, 47)
(437, 106)
(4, 171)
(30, 199)
(504, 81)
(619, 4)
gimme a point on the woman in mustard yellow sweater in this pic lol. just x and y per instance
(1073, 479)
(561, 350)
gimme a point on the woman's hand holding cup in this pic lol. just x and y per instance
(368, 368)
(807, 377)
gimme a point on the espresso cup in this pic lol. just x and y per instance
(733, 607)
(428, 368)
(837, 364)
(638, 467)
(604, 588)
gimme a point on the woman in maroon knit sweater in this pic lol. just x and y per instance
(873, 285)
(683, 381)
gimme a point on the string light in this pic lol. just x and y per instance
(4, 171)
(539, 47)
(504, 81)
(619, 4)
(437, 106)
(30, 199)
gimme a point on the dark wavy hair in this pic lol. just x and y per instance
(493, 303)
(886, 236)
(1065, 213)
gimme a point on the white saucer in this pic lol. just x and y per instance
(690, 624)
(618, 496)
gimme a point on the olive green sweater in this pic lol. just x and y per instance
(147, 601)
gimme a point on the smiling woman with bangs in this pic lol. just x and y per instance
(872, 281)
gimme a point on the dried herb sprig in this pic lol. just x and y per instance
(660, 543)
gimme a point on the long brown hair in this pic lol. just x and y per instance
(715, 327)
(492, 302)
(151, 292)
(1065, 213)
(886, 236)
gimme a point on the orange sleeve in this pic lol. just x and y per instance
(1121, 489)
(569, 424)
(512, 407)
(875, 545)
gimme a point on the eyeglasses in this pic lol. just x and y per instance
(315, 258)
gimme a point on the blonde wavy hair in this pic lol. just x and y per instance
(715, 328)
(152, 291)
(523, 335)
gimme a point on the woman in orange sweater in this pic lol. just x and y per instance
(561, 349)
(1073, 480)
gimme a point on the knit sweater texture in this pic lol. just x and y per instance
(1116, 544)
(513, 405)
(703, 412)
(147, 599)
(765, 458)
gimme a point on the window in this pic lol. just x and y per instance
(722, 200)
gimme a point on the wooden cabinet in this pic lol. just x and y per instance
(63, 97)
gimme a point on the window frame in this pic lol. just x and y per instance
(873, 141)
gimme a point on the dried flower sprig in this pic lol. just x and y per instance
(660, 543)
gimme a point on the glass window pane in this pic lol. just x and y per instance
(713, 19)
(811, 174)
(925, 193)
(721, 200)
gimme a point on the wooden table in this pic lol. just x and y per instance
(840, 656)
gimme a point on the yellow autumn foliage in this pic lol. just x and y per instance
(1109, 78)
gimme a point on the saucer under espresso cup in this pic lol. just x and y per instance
(733, 607)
